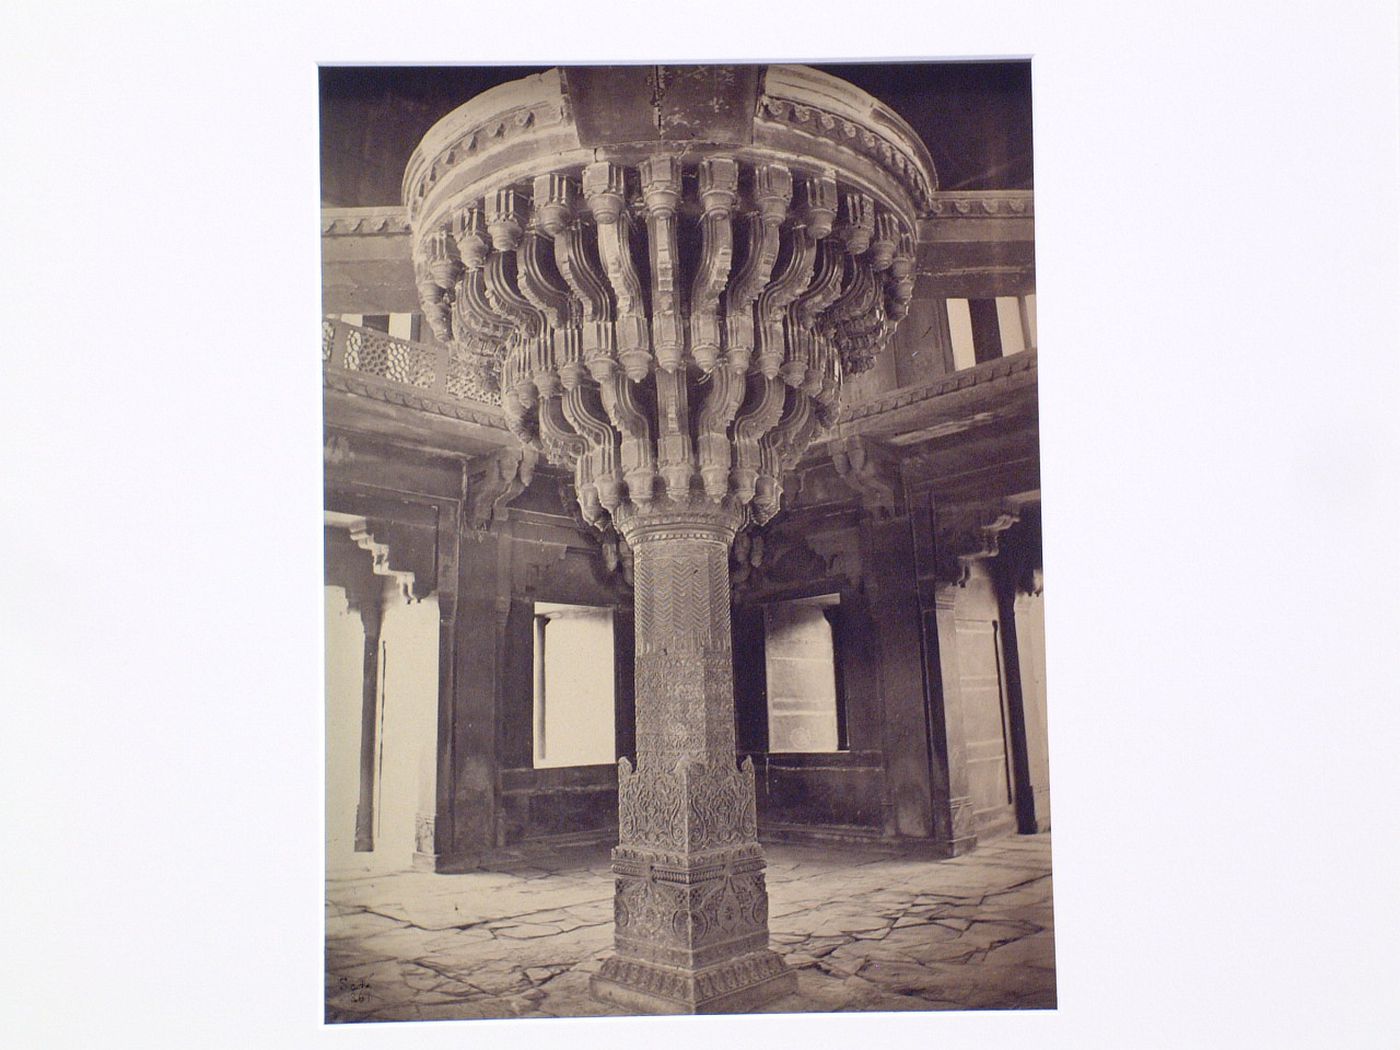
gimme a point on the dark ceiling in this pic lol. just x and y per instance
(975, 118)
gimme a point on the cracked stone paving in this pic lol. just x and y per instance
(864, 931)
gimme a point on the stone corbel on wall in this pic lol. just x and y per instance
(781, 558)
(870, 469)
(508, 472)
(745, 557)
(406, 553)
(615, 556)
(347, 566)
(336, 451)
(968, 532)
(1019, 567)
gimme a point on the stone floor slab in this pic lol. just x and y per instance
(862, 931)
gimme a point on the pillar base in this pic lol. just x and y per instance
(737, 985)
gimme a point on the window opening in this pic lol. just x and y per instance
(804, 709)
(574, 676)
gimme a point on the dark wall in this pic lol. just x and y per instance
(573, 800)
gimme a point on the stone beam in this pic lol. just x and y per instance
(977, 244)
(1000, 389)
(366, 261)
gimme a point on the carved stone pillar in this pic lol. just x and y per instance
(691, 908)
(669, 306)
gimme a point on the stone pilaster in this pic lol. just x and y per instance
(953, 822)
(370, 616)
(351, 565)
(435, 810)
(691, 906)
(952, 798)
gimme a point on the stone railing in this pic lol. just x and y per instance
(430, 370)
(400, 367)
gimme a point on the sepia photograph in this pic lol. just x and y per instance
(685, 643)
(633, 631)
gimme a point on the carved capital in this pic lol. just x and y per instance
(857, 222)
(473, 242)
(819, 204)
(600, 360)
(603, 189)
(554, 198)
(506, 223)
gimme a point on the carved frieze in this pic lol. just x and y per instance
(734, 985)
(853, 133)
(691, 924)
(979, 203)
(693, 806)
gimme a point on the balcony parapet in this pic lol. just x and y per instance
(382, 367)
